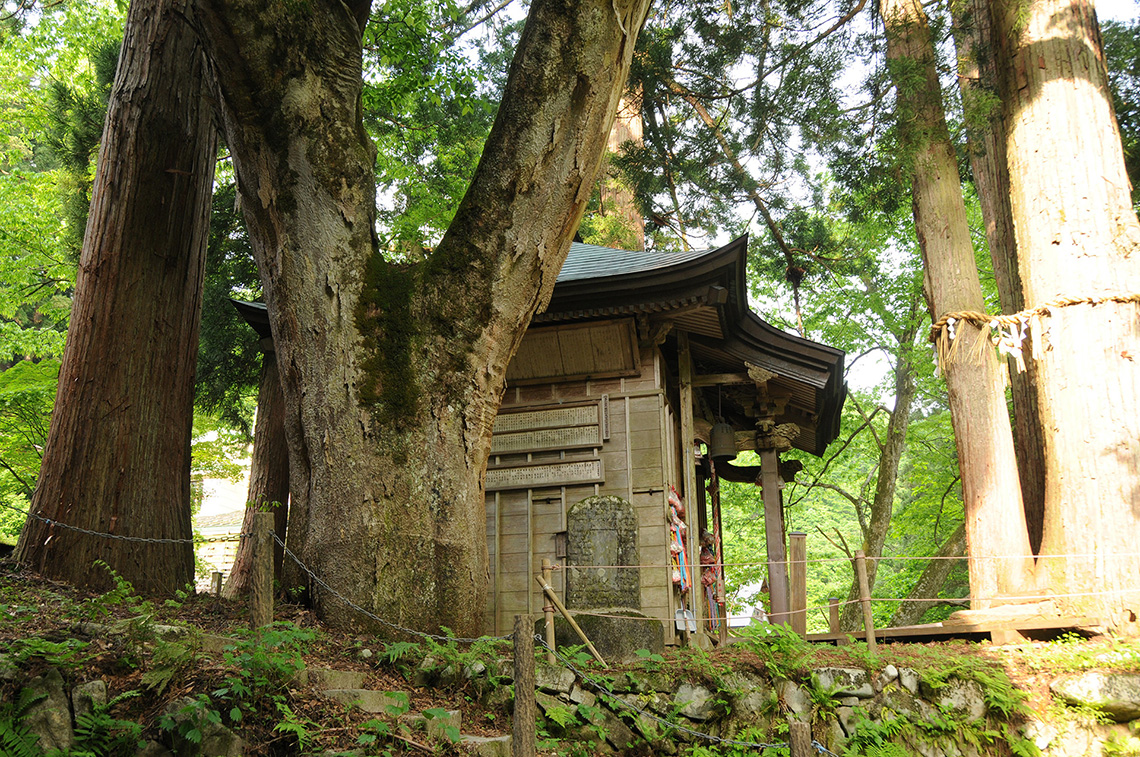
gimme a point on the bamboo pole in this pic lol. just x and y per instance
(573, 623)
(797, 580)
(548, 614)
(523, 727)
(865, 600)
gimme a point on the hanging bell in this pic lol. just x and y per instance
(722, 442)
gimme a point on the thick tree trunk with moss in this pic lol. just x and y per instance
(1077, 236)
(117, 459)
(392, 373)
(995, 522)
(985, 127)
(268, 477)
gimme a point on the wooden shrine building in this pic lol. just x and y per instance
(614, 387)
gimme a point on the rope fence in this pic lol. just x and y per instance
(122, 537)
(262, 587)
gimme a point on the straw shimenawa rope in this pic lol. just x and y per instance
(1010, 330)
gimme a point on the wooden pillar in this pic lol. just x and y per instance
(797, 569)
(774, 534)
(689, 478)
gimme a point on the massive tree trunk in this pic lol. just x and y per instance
(392, 373)
(268, 476)
(995, 522)
(985, 128)
(890, 456)
(117, 459)
(1077, 236)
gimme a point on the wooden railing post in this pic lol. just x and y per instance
(797, 581)
(523, 727)
(261, 575)
(833, 618)
(865, 600)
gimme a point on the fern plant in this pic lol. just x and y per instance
(15, 738)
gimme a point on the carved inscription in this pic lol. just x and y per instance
(535, 476)
(546, 439)
(558, 417)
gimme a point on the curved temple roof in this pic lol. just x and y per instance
(704, 292)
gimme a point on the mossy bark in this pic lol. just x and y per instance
(392, 375)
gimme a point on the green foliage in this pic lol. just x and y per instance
(782, 651)
(15, 738)
(27, 392)
(67, 653)
(266, 660)
(100, 734)
(1122, 57)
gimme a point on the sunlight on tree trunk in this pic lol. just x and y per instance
(1077, 236)
(995, 521)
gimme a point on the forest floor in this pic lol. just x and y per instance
(48, 624)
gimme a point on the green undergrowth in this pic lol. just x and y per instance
(172, 682)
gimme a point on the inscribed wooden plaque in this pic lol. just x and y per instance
(555, 417)
(575, 437)
(555, 474)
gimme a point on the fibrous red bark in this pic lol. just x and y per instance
(117, 460)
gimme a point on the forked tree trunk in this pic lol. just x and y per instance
(268, 477)
(117, 459)
(995, 522)
(985, 128)
(1077, 235)
(392, 374)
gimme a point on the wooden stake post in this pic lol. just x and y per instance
(525, 713)
(261, 578)
(548, 614)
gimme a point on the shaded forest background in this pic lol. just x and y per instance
(805, 158)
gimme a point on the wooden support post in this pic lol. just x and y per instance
(797, 569)
(689, 480)
(833, 618)
(522, 732)
(548, 614)
(799, 736)
(261, 577)
(216, 584)
(865, 600)
(774, 534)
(569, 619)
